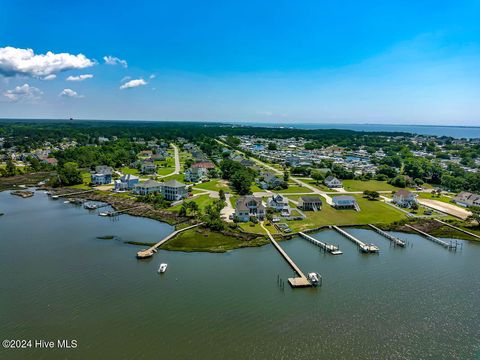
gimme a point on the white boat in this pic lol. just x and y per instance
(66, 202)
(103, 214)
(314, 278)
(162, 268)
(90, 206)
(55, 197)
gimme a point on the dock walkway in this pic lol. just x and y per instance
(366, 248)
(390, 237)
(301, 280)
(459, 229)
(153, 249)
(431, 237)
(332, 249)
(74, 193)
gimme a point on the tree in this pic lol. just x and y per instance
(69, 174)
(371, 195)
(475, 217)
(221, 194)
(10, 168)
(211, 216)
(286, 175)
(241, 181)
(193, 207)
(317, 175)
(272, 146)
(183, 210)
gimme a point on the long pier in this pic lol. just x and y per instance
(332, 249)
(153, 249)
(390, 237)
(74, 193)
(457, 228)
(301, 280)
(366, 248)
(433, 238)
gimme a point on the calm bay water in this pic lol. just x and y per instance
(459, 132)
(58, 281)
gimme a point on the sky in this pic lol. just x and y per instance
(388, 62)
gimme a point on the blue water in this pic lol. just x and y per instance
(459, 132)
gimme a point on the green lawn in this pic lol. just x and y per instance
(127, 170)
(295, 189)
(319, 185)
(202, 201)
(372, 185)
(165, 170)
(372, 212)
(441, 198)
(178, 177)
(198, 239)
(214, 185)
(257, 228)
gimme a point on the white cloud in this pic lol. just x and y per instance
(24, 92)
(15, 61)
(112, 60)
(79, 77)
(153, 76)
(69, 93)
(133, 84)
(125, 78)
(50, 77)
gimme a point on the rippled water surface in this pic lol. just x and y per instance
(58, 281)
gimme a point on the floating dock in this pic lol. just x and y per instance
(332, 249)
(449, 245)
(143, 254)
(366, 248)
(390, 237)
(301, 280)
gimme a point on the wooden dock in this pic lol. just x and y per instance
(366, 248)
(74, 193)
(119, 212)
(332, 249)
(301, 280)
(143, 254)
(390, 237)
(449, 245)
(459, 229)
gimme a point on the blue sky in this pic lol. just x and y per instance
(272, 61)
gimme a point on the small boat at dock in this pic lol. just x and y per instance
(55, 197)
(162, 268)
(104, 213)
(314, 278)
(66, 202)
(90, 206)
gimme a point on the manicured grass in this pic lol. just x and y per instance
(372, 212)
(178, 177)
(127, 170)
(257, 228)
(295, 189)
(372, 185)
(319, 185)
(256, 188)
(165, 170)
(430, 196)
(214, 185)
(202, 201)
(204, 240)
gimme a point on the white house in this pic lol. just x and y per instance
(404, 198)
(247, 206)
(126, 182)
(148, 166)
(467, 199)
(102, 175)
(310, 203)
(332, 182)
(173, 190)
(147, 187)
(196, 174)
(279, 203)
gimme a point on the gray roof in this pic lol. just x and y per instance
(148, 184)
(344, 198)
(311, 199)
(242, 202)
(103, 169)
(173, 183)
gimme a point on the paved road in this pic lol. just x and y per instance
(177, 162)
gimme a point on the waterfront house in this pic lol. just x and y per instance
(467, 199)
(279, 203)
(147, 187)
(148, 166)
(248, 206)
(345, 202)
(332, 182)
(173, 190)
(102, 175)
(312, 203)
(404, 198)
(126, 182)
